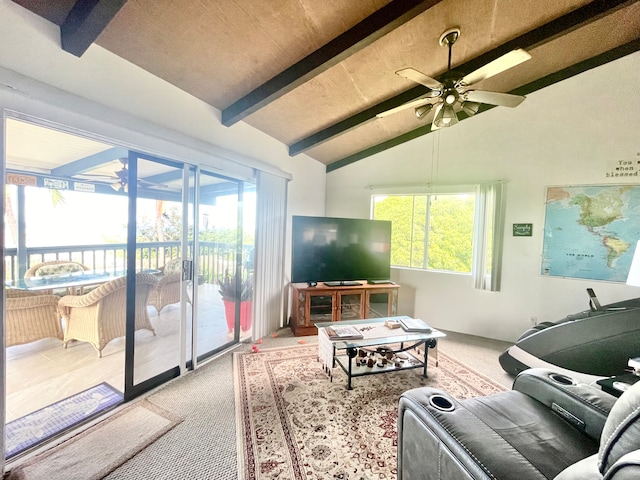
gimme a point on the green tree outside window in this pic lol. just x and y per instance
(429, 231)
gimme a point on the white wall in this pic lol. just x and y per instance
(570, 133)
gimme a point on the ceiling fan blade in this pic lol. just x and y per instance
(418, 102)
(96, 177)
(499, 65)
(419, 77)
(494, 98)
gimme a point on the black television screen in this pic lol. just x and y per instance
(340, 249)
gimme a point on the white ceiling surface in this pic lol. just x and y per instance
(44, 149)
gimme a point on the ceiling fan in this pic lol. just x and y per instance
(120, 178)
(454, 94)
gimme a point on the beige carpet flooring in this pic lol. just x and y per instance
(203, 445)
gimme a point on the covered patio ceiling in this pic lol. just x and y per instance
(315, 74)
(46, 157)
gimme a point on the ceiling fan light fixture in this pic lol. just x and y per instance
(116, 186)
(422, 111)
(446, 117)
(470, 108)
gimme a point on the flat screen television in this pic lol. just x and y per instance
(336, 250)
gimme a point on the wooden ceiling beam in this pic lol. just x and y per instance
(85, 22)
(531, 87)
(376, 25)
(534, 38)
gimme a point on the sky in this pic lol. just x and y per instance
(91, 218)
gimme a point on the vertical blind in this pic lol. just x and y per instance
(488, 240)
(271, 214)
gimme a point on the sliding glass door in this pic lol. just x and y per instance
(194, 234)
(65, 233)
(224, 297)
(158, 276)
(122, 271)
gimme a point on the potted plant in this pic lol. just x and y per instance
(232, 293)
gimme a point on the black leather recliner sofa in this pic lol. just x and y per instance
(546, 427)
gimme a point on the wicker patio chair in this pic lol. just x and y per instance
(167, 291)
(16, 293)
(54, 267)
(31, 317)
(98, 317)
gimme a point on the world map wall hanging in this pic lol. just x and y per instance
(591, 231)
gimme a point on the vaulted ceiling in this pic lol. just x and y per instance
(314, 74)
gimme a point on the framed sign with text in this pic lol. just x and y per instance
(522, 229)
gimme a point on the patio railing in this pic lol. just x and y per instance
(215, 257)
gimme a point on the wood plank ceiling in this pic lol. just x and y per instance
(315, 73)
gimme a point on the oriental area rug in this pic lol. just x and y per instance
(294, 423)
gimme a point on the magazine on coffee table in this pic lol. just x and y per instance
(414, 325)
(343, 333)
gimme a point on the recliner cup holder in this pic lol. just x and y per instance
(441, 403)
(561, 379)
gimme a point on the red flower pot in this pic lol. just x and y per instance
(246, 310)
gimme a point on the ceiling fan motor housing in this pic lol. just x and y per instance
(123, 175)
(449, 37)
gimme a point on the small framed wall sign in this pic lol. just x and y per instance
(522, 229)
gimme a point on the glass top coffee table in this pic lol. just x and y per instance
(366, 356)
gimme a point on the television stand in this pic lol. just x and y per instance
(326, 303)
(344, 283)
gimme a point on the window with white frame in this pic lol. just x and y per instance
(430, 231)
(455, 231)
